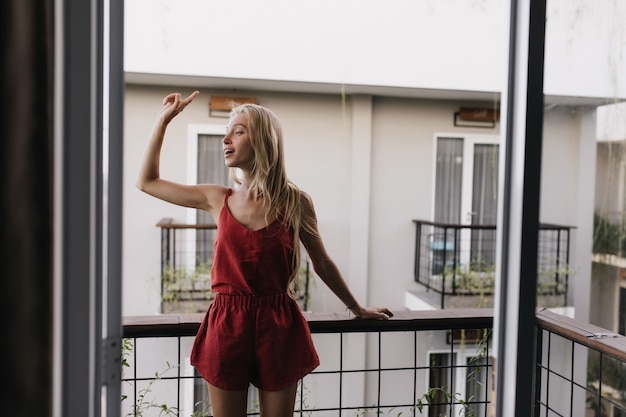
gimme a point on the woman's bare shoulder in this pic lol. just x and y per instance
(215, 195)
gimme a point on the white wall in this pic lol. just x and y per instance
(560, 162)
(585, 48)
(141, 213)
(438, 44)
(352, 42)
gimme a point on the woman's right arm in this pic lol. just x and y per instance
(207, 197)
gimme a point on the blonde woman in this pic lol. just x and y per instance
(254, 331)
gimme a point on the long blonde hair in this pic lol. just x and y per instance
(279, 196)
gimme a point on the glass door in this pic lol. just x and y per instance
(466, 185)
(480, 203)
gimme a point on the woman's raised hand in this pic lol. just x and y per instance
(173, 104)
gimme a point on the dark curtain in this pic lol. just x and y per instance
(441, 368)
(448, 180)
(26, 216)
(485, 205)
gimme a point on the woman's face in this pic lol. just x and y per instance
(238, 152)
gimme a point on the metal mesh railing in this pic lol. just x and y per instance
(581, 369)
(418, 363)
(460, 260)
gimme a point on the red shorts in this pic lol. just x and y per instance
(263, 340)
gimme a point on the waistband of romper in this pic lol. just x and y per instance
(251, 300)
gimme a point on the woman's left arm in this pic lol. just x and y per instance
(326, 268)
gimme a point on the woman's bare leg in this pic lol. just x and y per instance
(278, 403)
(227, 403)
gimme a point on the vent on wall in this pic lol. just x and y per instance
(476, 117)
(220, 106)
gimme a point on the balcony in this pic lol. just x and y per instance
(430, 363)
(456, 264)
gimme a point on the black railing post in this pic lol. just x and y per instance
(443, 268)
(306, 286)
(341, 371)
(567, 252)
(538, 361)
(418, 251)
(165, 257)
(558, 257)
(455, 256)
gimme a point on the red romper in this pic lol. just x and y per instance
(254, 332)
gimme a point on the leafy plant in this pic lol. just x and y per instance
(302, 395)
(203, 409)
(609, 237)
(608, 372)
(144, 402)
(478, 278)
(431, 395)
(186, 290)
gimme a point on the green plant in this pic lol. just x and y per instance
(431, 395)
(185, 290)
(127, 348)
(609, 237)
(475, 364)
(438, 395)
(551, 281)
(203, 409)
(478, 278)
(301, 400)
(143, 402)
(607, 372)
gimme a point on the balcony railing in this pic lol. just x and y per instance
(579, 367)
(458, 261)
(435, 362)
(421, 363)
